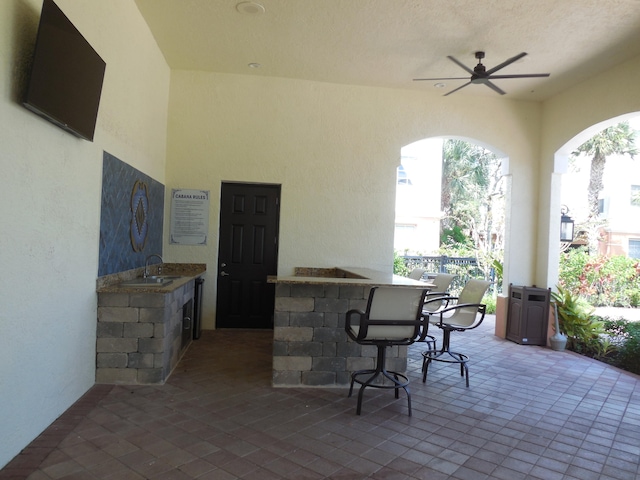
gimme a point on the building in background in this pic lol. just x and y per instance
(619, 201)
(418, 192)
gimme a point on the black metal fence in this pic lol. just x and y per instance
(464, 268)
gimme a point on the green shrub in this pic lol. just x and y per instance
(576, 321)
(399, 266)
(498, 267)
(628, 353)
(601, 281)
(616, 342)
(634, 297)
(490, 302)
(615, 328)
(572, 266)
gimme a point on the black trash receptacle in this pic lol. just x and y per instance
(528, 315)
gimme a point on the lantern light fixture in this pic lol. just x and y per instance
(566, 225)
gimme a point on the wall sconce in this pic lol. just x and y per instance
(566, 225)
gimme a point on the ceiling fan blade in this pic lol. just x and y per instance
(494, 87)
(505, 63)
(528, 75)
(446, 78)
(461, 65)
(456, 89)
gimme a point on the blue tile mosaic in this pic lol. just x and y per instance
(131, 217)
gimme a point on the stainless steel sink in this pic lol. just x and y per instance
(150, 281)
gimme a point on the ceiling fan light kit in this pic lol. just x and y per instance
(480, 74)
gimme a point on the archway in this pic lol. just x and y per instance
(422, 210)
(561, 163)
(605, 209)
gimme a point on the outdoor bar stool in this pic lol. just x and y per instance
(393, 317)
(440, 290)
(465, 314)
(441, 282)
(416, 273)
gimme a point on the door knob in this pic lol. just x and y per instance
(224, 274)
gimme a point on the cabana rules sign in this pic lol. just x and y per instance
(189, 217)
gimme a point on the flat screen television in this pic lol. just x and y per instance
(66, 75)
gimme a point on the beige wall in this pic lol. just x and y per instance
(50, 189)
(335, 150)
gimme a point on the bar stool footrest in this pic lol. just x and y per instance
(398, 380)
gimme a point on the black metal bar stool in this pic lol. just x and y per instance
(462, 313)
(393, 317)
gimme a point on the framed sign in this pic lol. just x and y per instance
(189, 217)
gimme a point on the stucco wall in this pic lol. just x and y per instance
(334, 149)
(50, 208)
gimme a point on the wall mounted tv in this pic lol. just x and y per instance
(66, 75)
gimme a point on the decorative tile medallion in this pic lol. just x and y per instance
(139, 209)
(131, 217)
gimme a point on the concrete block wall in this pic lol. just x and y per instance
(310, 346)
(139, 335)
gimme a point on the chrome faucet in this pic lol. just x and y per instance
(146, 264)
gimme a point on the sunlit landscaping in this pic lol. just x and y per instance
(587, 282)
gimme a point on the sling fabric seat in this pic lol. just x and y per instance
(417, 273)
(441, 282)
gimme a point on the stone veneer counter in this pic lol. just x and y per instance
(139, 331)
(310, 345)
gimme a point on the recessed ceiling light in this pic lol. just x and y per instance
(254, 65)
(439, 85)
(250, 8)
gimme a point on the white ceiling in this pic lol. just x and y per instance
(389, 42)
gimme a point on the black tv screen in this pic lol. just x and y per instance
(66, 75)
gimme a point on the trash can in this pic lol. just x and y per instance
(528, 315)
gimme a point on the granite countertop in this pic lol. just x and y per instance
(186, 272)
(346, 276)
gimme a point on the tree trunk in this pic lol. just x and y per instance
(596, 185)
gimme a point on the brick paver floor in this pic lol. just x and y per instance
(529, 413)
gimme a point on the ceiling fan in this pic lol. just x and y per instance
(480, 75)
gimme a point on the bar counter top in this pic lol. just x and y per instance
(353, 276)
(185, 271)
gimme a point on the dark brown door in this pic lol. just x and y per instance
(247, 253)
